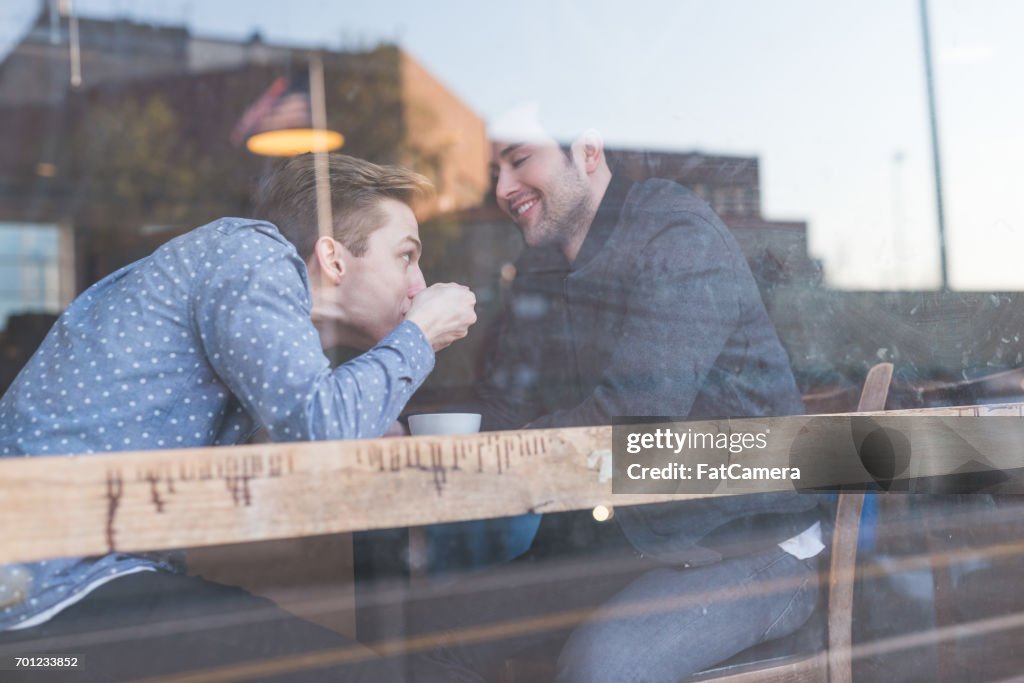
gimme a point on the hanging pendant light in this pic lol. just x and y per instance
(280, 122)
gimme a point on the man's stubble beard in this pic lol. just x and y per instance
(567, 212)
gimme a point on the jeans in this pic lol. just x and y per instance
(638, 620)
(670, 623)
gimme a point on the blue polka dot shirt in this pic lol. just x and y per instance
(198, 344)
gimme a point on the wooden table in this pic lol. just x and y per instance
(149, 500)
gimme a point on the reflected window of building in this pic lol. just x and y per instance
(29, 269)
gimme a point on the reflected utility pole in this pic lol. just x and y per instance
(899, 247)
(936, 157)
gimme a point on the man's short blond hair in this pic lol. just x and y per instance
(287, 198)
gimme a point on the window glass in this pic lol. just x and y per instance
(688, 208)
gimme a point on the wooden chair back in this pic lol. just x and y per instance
(837, 665)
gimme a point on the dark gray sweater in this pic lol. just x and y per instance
(658, 316)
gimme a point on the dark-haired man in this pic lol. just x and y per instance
(633, 299)
(217, 333)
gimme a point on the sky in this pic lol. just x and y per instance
(829, 96)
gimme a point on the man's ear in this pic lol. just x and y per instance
(330, 255)
(591, 147)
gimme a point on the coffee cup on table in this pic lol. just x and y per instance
(442, 424)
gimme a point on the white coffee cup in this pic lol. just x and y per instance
(440, 424)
